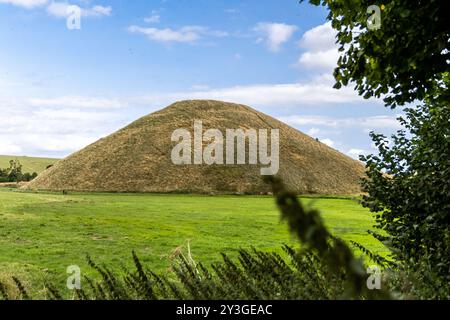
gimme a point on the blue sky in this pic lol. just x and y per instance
(62, 89)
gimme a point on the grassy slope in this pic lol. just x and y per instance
(306, 165)
(45, 231)
(29, 164)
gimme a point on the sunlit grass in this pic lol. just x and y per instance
(42, 234)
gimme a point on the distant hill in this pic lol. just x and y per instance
(137, 158)
(30, 164)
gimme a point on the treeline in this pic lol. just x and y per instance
(14, 173)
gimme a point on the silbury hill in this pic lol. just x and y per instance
(139, 158)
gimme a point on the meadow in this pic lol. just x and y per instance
(41, 234)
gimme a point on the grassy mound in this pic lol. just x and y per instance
(137, 158)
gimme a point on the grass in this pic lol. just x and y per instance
(29, 164)
(42, 234)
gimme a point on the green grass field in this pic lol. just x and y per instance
(42, 234)
(29, 164)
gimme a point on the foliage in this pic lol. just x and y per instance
(255, 275)
(408, 187)
(406, 59)
(14, 173)
(419, 280)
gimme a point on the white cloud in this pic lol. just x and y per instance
(275, 34)
(321, 51)
(167, 35)
(55, 120)
(59, 9)
(97, 11)
(57, 126)
(28, 4)
(313, 132)
(367, 123)
(267, 95)
(186, 34)
(78, 102)
(321, 60)
(60, 144)
(316, 92)
(355, 153)
(153, 18)
(9, 148)
(320, 38)
(328, 142)
(53, 131)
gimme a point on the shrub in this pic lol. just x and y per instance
(14, 173)
(408, 188)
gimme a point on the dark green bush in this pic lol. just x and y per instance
(408, 188)
(14, 173)
(256, 275)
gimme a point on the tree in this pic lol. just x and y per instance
(29, 176)
(408, 186)
(15, 171)
(3, 175)
(405, 60)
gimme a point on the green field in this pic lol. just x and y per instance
(42, 234)
(29, 164)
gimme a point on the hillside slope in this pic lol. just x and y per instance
(137, 158)
(29, 164)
